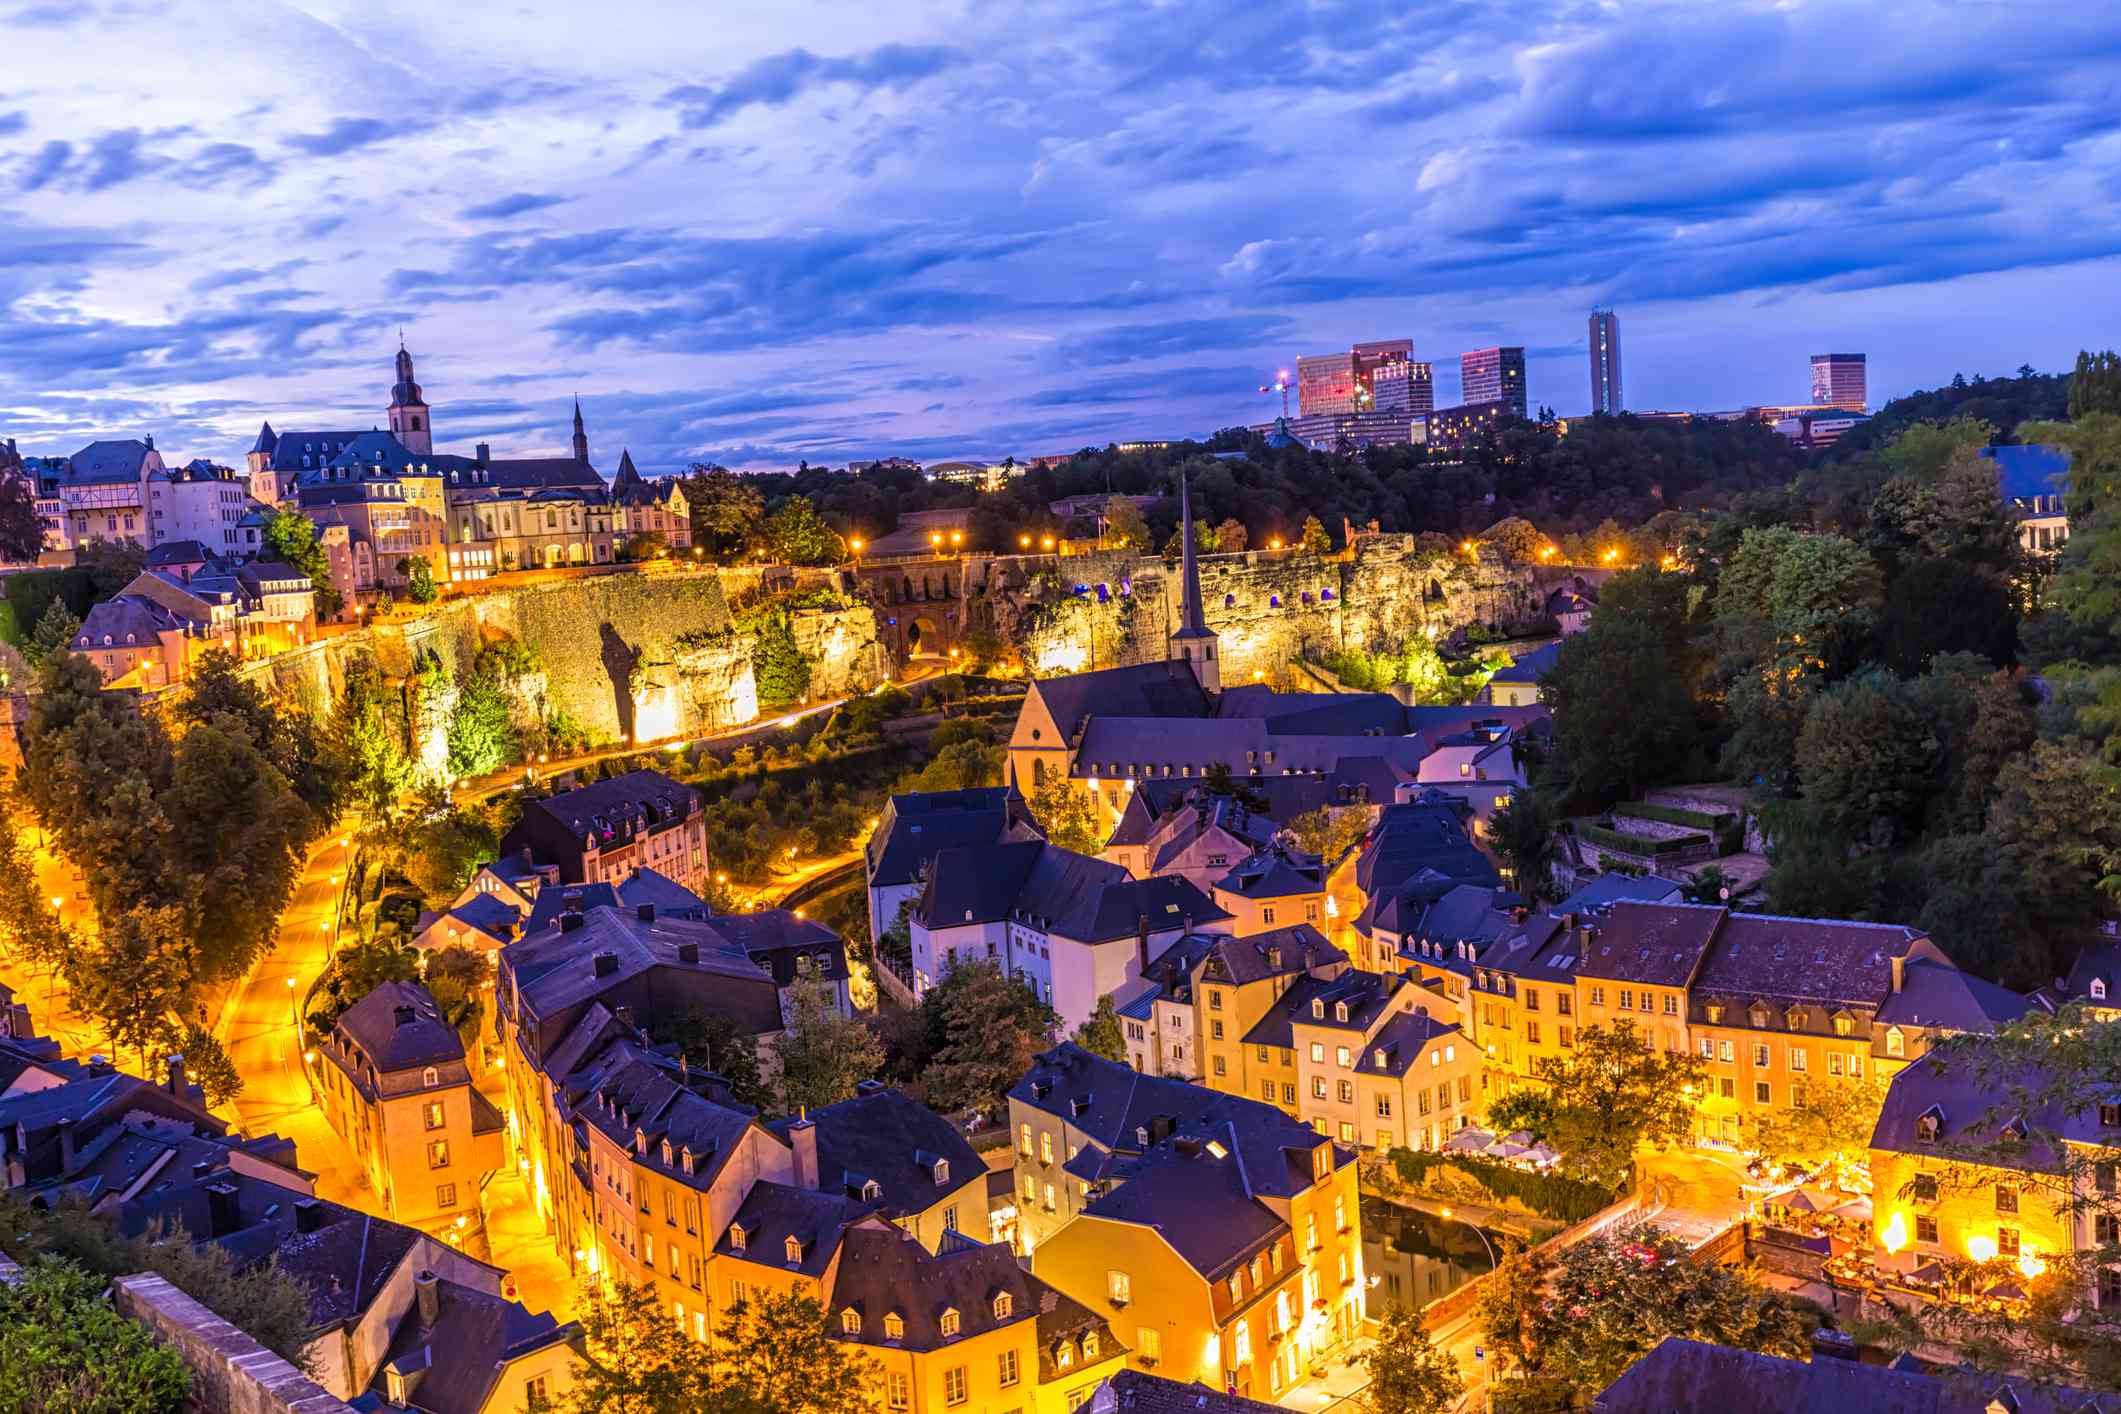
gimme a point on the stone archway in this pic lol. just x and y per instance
(924, 636)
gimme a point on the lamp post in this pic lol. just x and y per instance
(1493, 1260)
(294, 1017)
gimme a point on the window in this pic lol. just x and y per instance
(894, 1326)
(1627, 998)
(430, 1077)
(445, 1195)
(1925, 1227)
(2106, 1229)
(1220, 1068)
(950, 1322)
(1564, 1004)
(1318, 1087)
(2103, 1177)
(1925, 1188)
(1288, 1093)
(1895, 1043)
(1763, 1094)
(1708, 1049)
(1148, 1345)
(535, 1392)
(1725, 1052)
(1318, 1053)
(1671, 1004)
(1342, 1057)
(1006, 1372)
(438, 1154)
(1729, 1087)
(850, 1323)
(1266, 1091)
(2006, 1242)
(1049, 1197)
(1023, 1140)
(1833, 1063)
(1347, 1132)
(2006, 1198)
(1760, 1055)
(432, 1114)
(1531, 999)
(1004, 1303)
(1597, 996)
(1531, 1032)
(1384, 1105)
(897, 1393)
(1119, 1287)
(1045, 1147)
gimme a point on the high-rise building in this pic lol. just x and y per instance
(1493, 376)
(1840, 380)
(1605, 362)
(1374, 377)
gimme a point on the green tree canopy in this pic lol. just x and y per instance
(54, 631)
(1124, 525)
(823, 1052)
(979, 1032)
(795, 534)
(1100, 1035)
(1408, 1374)
(1068, 816)
(1610, 1097)
(63, 1348)
(291, 538)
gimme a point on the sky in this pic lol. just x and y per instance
(758, 234)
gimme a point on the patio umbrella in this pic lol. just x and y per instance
(2006, 1291)
(1799, 1202)
(1469, 1141)
(1928, 1272)
(1855, 1210)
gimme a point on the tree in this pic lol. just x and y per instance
(796, 535)
(960, 765)
(1710, 884)
(1868, 760)
(366, 734)
(54, 631)
(235, 875)
(720, 1045)
(1329, 832)
(725, 508)
(1313, 538)
(1124, 526)
(1523, 834)
(208, 1065)
(1608, 1098)
(1068, 816)
(1408, 1374)
(482, 734)
(21, 528)
(1100, 1035)
(771, 1355)
(457, 978)
(1622, 691)
(64, 1348)
(419, 578)
(2095, 387)
(981, 1029)
(134, 975)
(1828, 1116)
(1230, 537)
(291, 538)
(1589, 1313)
(779, 667)
(441, 851)
(645, 545)
(823, 1053)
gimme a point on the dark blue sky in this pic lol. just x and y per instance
(762, 233)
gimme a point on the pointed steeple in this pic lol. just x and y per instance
(409, 420)
(581, 438)
(1194, 643)
(267, 440)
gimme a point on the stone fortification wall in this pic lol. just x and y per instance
(653, 653)
(231, 1373)
(1268, 607)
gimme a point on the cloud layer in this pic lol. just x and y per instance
(829, 232)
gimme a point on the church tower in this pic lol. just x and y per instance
(1194, 643)
(409, 420)
(581, 438)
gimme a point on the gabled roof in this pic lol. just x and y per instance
(1781, 959)
(1532, 666)
(1199, 1201)
(107, 463)
(1402, 1041)
(289, 448)
(1057, 890)
(557, 968)
(1424, 835)
(1608, 889)
(1163, 689)
(2097, 961)
(1940, 996)
(1274, 873)
(1364, 994)
(626, 1091)
(885, 1272)
(178, 552)
(1662, 944)
(670, 898)
(1971, 1105)
(888, 1136)
(916, 825)
(1134, 1392)
(461, 1356)
(2029, 471)
(819, 1221)
(1694, 1375)
(636, 799)
(1277, 952)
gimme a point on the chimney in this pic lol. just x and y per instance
(224, 1213)
(66, 1148)
(309, 1215)
(427, 1289)
(176, 1076)
(201, 1169)
(646, 913)
(802, 1137)
(570, 922)
(606, 963)
(1141, 946)
(150, 440)
(485, 454)
(688, 952)
(1899, 971)
(573, 900)
(868, 1087)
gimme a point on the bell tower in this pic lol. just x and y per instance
(1195, 642)
(409, 419)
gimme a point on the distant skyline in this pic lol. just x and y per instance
(823, 232)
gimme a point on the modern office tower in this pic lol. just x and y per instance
(1605, 362)
(1840, 380)
(1374, 377)
(1493, 376)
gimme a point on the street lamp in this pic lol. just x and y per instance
(1045, 542)
(294, 1018)
(935, 537)
(1492, 1258)
(856, 545)
(1023, 542)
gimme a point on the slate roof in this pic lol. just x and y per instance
(1152, 800)
(1792, 959)
(178, 552)
(1196, 1200)
(819, 1221)
(556, 969)
(671, 899)
(1181, 828)
(1274, 873)
(1662, 944)
(1684, 1376)
(2028, 471)
(289, 448)
(547, 473)
(1365, 994)
(916, 824)
(129, 621)
(490, 915)
(1277, 952)
(106, 463)
(1062, 892)
(1134, 1392)
(1402, 1040)
(399, 1027)
(887, 1135)
(1538, 950)
(2097, 961)
(1531, 667)
(1974, 1103)
(462, 1355)
(1940, 996)
(1608, 889)
(617, 801)
(1315, 713)
(1165, 689)
(626, 1088)
(883, 1271)
(1416, 836)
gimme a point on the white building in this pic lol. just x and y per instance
(197, 501)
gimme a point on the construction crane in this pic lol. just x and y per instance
(1279, 385)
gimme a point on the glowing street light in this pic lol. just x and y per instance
(935, 537)
(1610, 556)
(855, 545)
(1045, 542)
(1275, 543)
(58, 902)
(957, 537)
(1023, 542)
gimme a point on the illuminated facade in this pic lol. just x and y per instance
(1493, 375)
(1841, 380)
(1462, 425)
(1605, 362)
(1374, 377)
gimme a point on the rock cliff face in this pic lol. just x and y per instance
(1268, 607)
(653, 654)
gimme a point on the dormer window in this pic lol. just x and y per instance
(1378, 1056)
(1002, 1305)
(1089, 1345)
(894, 1326)
(1895, 1042)
(1141, 1136)
(850, 1323)
(1063, 1356)
(942, 1172)
(666, 1153)
(950, 1324)
(1318, 1009)
(685, 1160)
(1715, 1013)
(1843, 1023)
(1340, 1011)
(793, 1249)
(430, 1077)
(2098, 989)
(640, 1142)
(872, 1191)
(1929, 1124)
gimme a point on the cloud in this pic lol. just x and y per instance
(519, 204)
(347, 135)
(12, 123)
(780, 78)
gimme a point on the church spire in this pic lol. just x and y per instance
(1194, 643)
(581, 438)
(409, 420)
